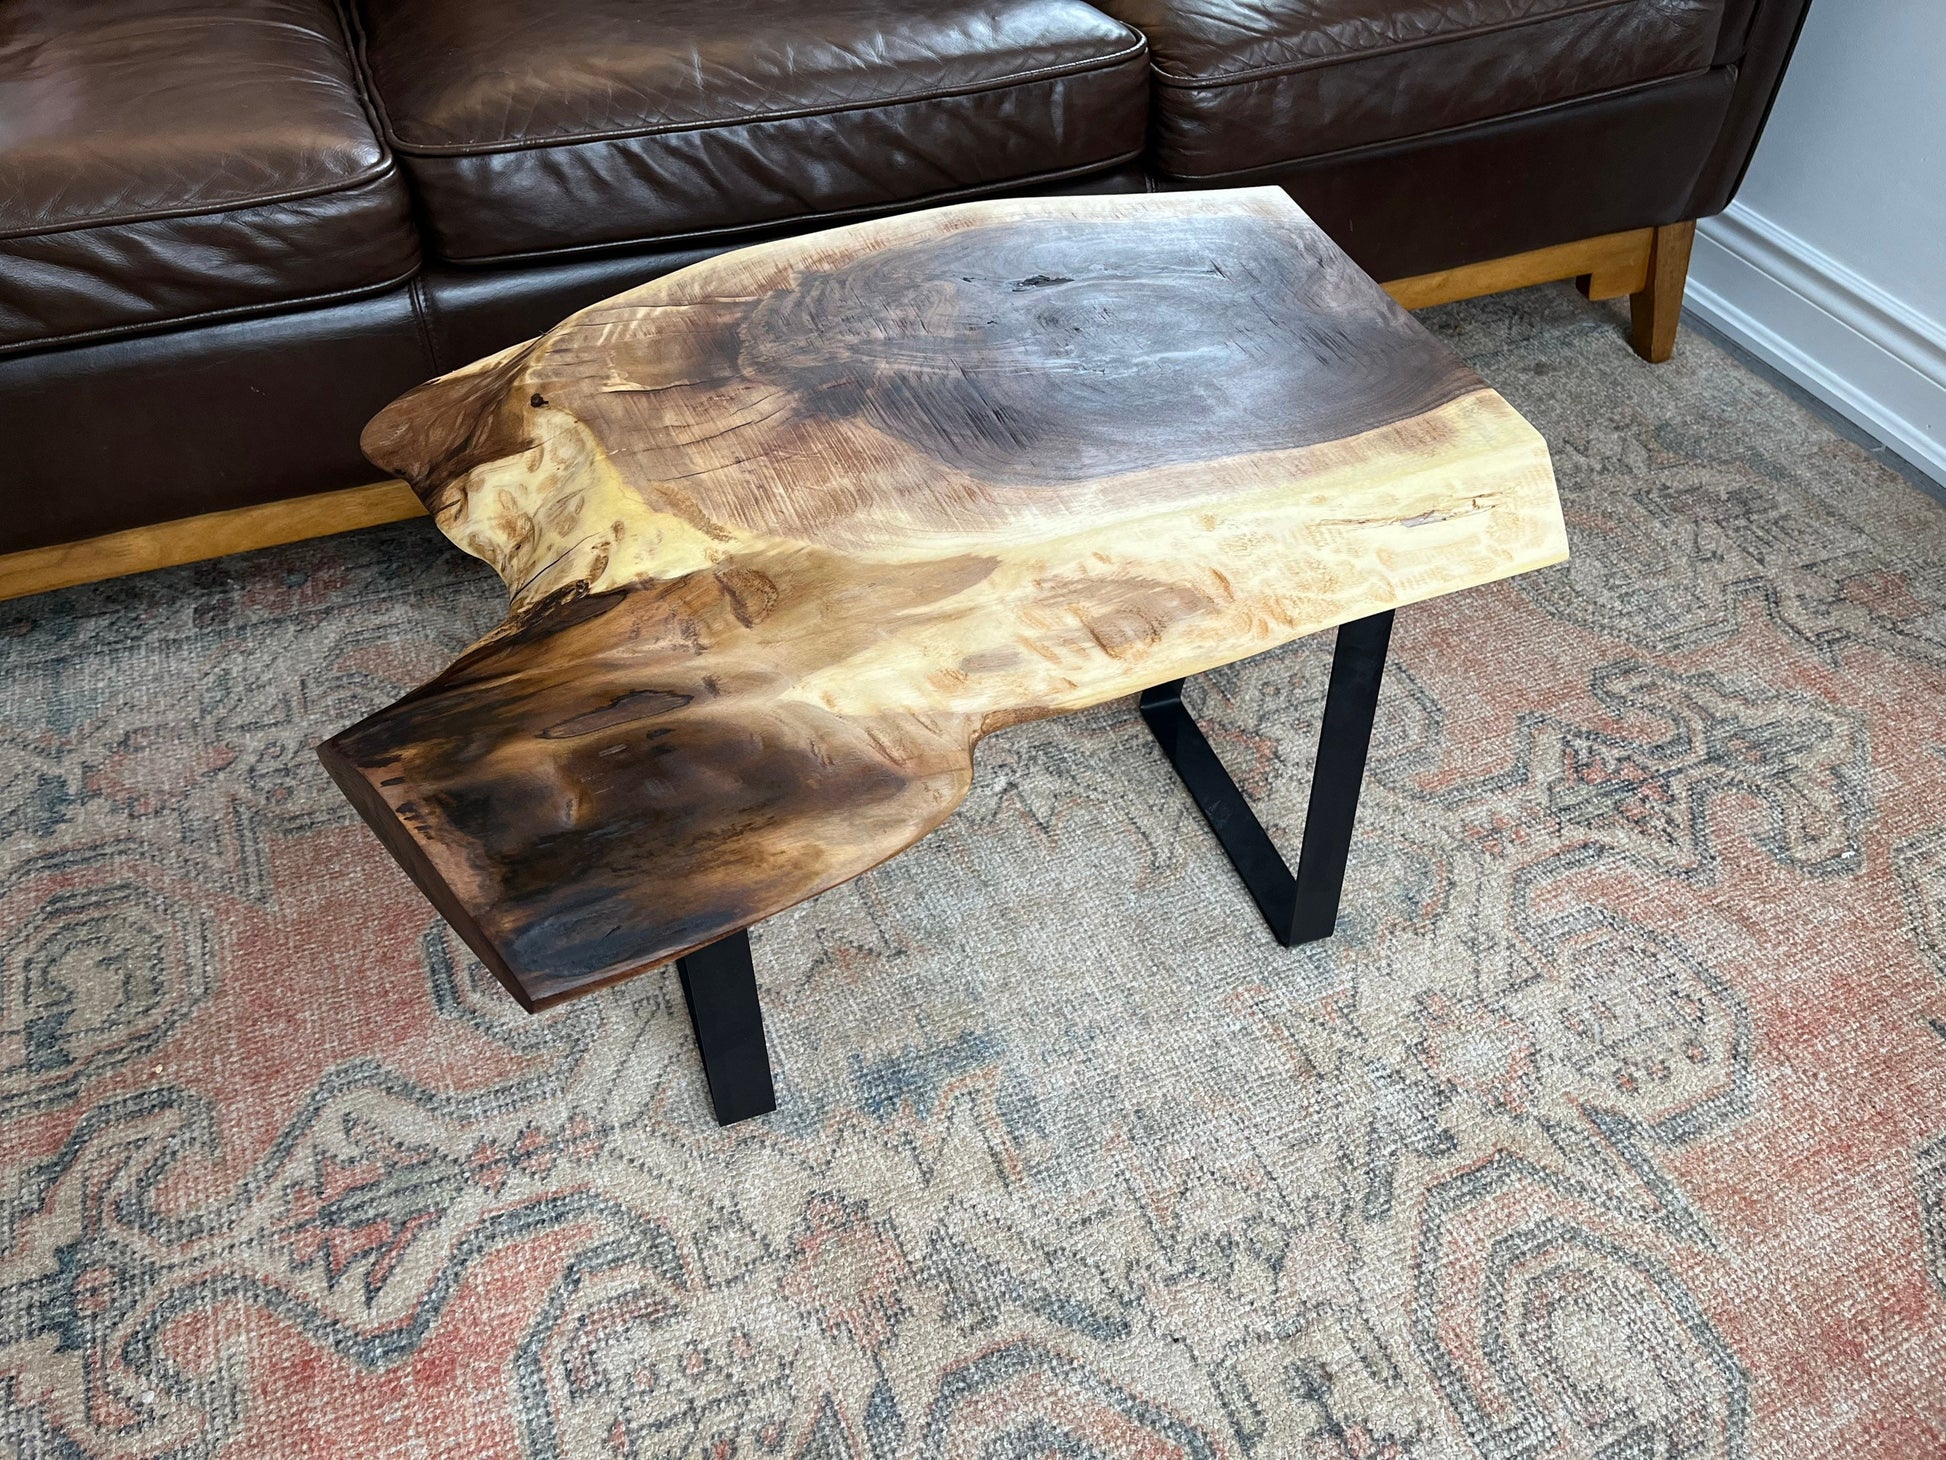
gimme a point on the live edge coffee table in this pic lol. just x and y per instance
(788, 531)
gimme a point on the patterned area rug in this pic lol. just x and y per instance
(1612, 1123)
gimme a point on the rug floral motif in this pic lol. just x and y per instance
(1612, 1123)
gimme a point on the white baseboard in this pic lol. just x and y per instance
(1841, 337)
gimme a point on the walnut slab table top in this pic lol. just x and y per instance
(788, 531)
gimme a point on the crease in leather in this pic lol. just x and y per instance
(1508, 186)
(1459, 132)
(1733, 37)
(1220, 79)
(388, 169)
(647, 148)
(1775, 27)
(352, 39)
(425, 321)
(234, 313)
(181, 162)
(380, 163)
(71, 287)
(661, 129)
(1242, 84)
(798, 222)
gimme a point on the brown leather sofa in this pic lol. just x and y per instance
(230, 230)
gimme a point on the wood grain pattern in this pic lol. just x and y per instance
(787, 532)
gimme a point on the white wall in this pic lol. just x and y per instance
(1831, 264)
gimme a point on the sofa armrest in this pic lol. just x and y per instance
(1757, 39)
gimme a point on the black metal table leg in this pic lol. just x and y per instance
(1300, 908)
(720, 986)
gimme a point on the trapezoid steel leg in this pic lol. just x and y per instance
(720, 986)
(1303, 907)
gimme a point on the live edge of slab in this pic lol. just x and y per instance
(787, 532)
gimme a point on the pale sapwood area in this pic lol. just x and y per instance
(788, 531)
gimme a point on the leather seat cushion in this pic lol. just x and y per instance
(531, 129)
(172, 160)
(1241, 84)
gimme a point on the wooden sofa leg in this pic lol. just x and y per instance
(1657, 308)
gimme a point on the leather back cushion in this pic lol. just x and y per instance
(531, 129)
(1242, 84)
(170, 160)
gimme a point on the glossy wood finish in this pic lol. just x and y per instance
(787, 532)
(1656, 309)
